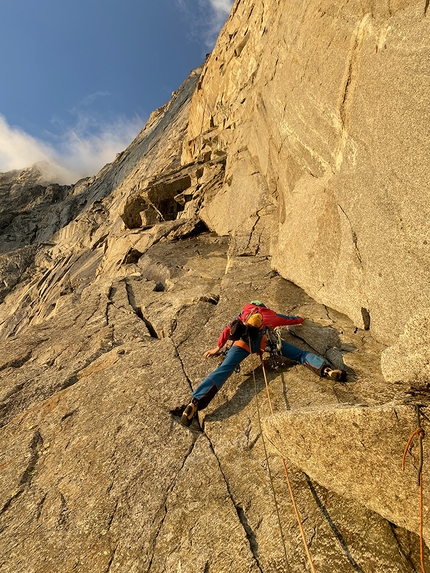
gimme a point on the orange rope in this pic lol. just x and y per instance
(420, 433)
(270, 476)
(416, 432)
(290, 489)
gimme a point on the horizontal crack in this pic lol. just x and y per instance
(17, 362)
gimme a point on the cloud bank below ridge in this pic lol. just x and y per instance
(83, 148)
(77, 153)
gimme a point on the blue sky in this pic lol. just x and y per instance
(79, 78)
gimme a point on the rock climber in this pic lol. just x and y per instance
(248, 333)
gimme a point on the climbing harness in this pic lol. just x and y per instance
(249, 348)
(421, 434)
(299, 521)
(269, 341)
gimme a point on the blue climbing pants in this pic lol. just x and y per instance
(213, 382)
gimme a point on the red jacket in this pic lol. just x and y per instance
(270, 318)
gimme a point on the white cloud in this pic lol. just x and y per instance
(79, 152)
(207, 22)
(223, 6)
(18, 149)
(221, 10)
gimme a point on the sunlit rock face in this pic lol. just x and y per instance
(290, 168)
(323, 111)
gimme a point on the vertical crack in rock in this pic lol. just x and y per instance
(9, 503)
(366, 318)
(328, 313)
(109, 302)
(251, 235)
(353, 235)
(35, 446)
(250, 535)
(111, 560)
(176, 347)
(406, 556)
(109, 523)
(312, 536)
(333, 526)
(355, 241)
(130, 295)
(108, 526)
(163, 507)
(137, 310)
(64, 512)
(148, 324)
(349, 84)
(39, 507)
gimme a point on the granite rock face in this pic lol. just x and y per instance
(409, 359)
(97, 475)
(311, 439)
(277, 171)
(323, 111)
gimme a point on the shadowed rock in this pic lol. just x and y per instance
(288, 155)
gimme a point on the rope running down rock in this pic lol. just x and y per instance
(270, 475)
(420, 433)
(296, 511)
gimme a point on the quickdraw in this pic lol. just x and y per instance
(274, 347)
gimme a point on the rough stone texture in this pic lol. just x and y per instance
(97, 476)
(370, 469)
(408, 361)
(322, 111)
(279, 159)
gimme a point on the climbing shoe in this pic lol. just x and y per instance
(339, 375)
(189, 413)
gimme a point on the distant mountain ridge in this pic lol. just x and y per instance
(290, 167)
